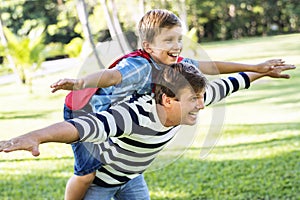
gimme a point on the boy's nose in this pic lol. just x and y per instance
(177, 45)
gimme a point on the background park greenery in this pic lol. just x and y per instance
(257, 156)
(59, 28)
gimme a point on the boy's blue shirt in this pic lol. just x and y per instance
(136, 77)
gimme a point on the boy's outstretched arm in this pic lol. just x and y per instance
(219, 67)
(101, 79)
(63, 132)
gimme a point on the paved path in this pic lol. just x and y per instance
(46, 68)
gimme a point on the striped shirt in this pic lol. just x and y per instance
(130, 135)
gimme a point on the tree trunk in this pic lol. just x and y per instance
(83, 17)
(121, 36)
(114, 26)
(183, 15)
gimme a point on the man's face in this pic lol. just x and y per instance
(167, 45)
(186, 108)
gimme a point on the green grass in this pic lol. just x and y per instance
(257, 155)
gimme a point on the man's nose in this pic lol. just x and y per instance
(200, 103)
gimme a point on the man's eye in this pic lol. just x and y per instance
(194, 98)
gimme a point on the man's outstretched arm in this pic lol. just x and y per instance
(63, 132)
(219, 89)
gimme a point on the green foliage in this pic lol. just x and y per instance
(59, 20)
(221, 20)
(73, 48)
(212, 20)
(28, 52)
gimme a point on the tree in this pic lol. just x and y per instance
(114, 26)
(28, 52)
(3, 46)
(82, 14)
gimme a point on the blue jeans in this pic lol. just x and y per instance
(86, 155)
(135, 189)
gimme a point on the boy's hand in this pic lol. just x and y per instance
(268, 65)
(67, 84)
(20, 143)
(276, 72)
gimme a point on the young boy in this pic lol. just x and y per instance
(132, 133)
(161, 37)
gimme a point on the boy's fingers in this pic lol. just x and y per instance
(286, 67)
(55, 89)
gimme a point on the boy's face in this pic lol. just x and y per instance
(185, 109)
(166, 46)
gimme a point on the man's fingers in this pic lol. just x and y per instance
(35, 151)
(4, 145)
(286, 76)
(17, 144)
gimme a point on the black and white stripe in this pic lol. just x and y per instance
(220, 88)
(130, 135)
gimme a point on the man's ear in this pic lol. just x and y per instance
(146, 47)
(166, 101)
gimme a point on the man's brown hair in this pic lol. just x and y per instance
(176, 77)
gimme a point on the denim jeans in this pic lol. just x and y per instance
(135, 189)
(86, 155)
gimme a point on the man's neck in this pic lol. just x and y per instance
(163, 116)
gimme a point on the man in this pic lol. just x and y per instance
(132, 133)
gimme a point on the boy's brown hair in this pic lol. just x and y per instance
(153, 21)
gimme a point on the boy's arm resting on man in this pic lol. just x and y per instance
(219, 67)
(103, 78)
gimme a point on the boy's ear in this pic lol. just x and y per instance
(146, 46)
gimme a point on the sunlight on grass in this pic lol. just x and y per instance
(257, 48)
(158, 194)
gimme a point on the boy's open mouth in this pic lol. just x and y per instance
(174, 55)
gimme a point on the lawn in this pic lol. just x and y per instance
(251, 153)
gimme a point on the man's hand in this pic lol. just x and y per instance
(67, 84)
(277, 71)
(20, 143)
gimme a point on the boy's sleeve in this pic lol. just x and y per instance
(134, 70)
(218, 89)
(192, 61)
